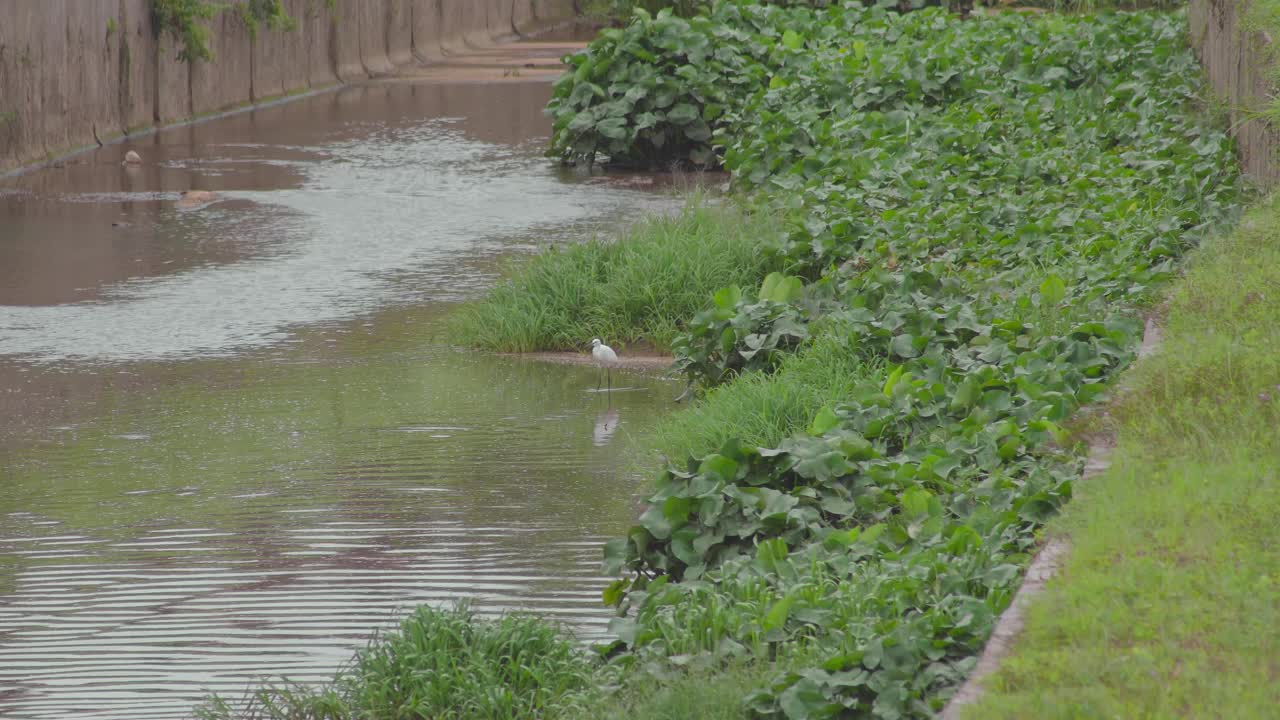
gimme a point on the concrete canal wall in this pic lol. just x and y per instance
(71, 70)
(1241, 71)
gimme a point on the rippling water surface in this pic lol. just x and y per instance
(234, 439)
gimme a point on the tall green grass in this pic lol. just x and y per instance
(440, 664)
(638, 288)
(1167, 606)
(762, 409)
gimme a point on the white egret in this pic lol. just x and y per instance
(605, 359)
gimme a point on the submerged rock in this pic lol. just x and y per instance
(132, 158)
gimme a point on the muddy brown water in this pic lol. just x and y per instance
(235, 440)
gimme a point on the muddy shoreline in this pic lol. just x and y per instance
(640, 362)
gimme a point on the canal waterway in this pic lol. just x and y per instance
(235, 438)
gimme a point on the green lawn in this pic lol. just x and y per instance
(1170, 603)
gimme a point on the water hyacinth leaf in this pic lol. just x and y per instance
(825, 421)
(720, 467)
(615, 555)
(677, 509)
(805, 700)
(698, 131)
(780, 288)
(915, 502)
(962, 540)
(1052, 290)
(904, 346)
(655, 521)
(682, 114)
(728, 298)
(616, 591)
(965, 395)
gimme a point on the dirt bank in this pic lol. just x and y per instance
(625, 362)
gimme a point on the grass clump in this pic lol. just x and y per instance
(638, 288)
(763, 409)
(1167, 606)
(443, 664)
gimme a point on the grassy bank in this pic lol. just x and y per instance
(638, 288)
(1167, 606)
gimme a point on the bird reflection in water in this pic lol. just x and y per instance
(606, 425)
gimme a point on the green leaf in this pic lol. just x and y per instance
(655, 521)
(722, 468)
(915, 502)
(683, 114)
(728, 298)
(777, 615)
(616, 592)
(1053, 290)
(904, 346)
(792, 40)
(824, 422)
(780, 288)
(804, 700)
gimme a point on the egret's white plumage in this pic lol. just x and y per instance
(605, 359)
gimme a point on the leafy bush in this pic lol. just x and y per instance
(739, 334)
(653, 93)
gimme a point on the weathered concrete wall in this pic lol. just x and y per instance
(1240, 71)
(71, 70)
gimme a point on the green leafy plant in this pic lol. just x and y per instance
(741, 334)
(980, 206)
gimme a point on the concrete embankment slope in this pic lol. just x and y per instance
(71, 70)
(1240, 70)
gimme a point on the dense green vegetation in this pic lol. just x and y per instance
(1167, 606)
(979, 207)
(439, 664)
(640, 288)
(973, 215)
